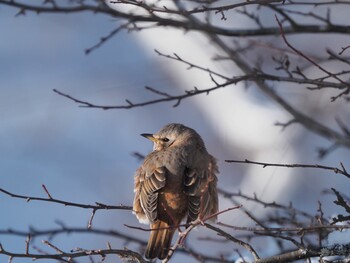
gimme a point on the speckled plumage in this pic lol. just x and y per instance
(176, 181)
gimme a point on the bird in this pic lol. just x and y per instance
(176, 181)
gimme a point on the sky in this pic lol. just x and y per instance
(86, 155)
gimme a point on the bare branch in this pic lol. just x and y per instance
(263, 230)
(46, 191)
(108, 37)
(315, 166)
(235, 240)
(167, 98)
(198, 222)
(53, 246)
(64, 256)
(89, 226)
(343, 50)
(289, 209)
(27, 244)
(290, 256)
(341, 202)
(98, 206)
(314, 63)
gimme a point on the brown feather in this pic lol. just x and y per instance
(159, 241)
(149, 188)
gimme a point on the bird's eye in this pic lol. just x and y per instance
(165, 139)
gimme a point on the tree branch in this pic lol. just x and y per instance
(96, 207)
(176, 98)
(67, 257)
(314, 166)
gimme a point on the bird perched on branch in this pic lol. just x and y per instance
(177, 180)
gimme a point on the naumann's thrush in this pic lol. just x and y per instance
(177, 180)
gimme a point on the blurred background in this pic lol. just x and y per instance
(86, 155)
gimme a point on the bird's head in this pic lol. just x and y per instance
(173, 134)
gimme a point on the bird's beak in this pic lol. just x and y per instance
(149, 136)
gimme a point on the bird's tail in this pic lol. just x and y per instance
(160, 240)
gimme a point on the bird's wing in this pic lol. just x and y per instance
(149, 185)
(200, 187)
(192, 183)
(137, 208)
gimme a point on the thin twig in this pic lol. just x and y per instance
(65, 256)
(89, 226)
(53, 246)
(347, 85)
(229, 237)
(66, 203)
(27, 243)
(186, 224)
(129, 105)
(46, 191)
(286, 229)
(314, 166)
